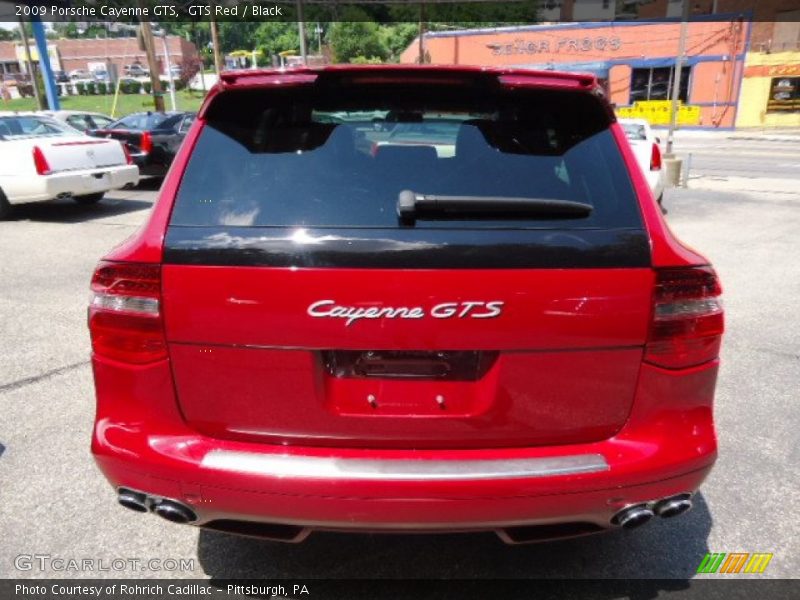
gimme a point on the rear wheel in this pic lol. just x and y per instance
(5, 206)
(89, 198)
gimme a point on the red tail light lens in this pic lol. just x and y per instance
(42, 166)
(128, 157)
(146, 142)
(655, 158)
(125, 313)
(688, 319)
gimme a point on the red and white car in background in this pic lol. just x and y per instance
(42, 159)
(646, 148)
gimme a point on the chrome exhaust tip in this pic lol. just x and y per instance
(633, 517)
(132, 500)
(174, 512)
(674, 506)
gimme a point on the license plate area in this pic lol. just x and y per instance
(440, 365)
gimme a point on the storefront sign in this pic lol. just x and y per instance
(565, 45)
(657, 112)
(790, 70)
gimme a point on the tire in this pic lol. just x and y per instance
(5, 206)
(661, 205)
(89, 198)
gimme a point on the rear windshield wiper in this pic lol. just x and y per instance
(411, 205)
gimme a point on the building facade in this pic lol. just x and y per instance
(634, 60)
(70, 54)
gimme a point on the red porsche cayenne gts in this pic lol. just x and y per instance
(405, 299)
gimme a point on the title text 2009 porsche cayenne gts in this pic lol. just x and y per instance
(405, 299)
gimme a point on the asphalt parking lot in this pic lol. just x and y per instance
(742, 210)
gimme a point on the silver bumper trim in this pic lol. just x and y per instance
(365, 469)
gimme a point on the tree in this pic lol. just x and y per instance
(355, 36)
(6, 35)
(237, 35)
(273, 37)
(396, 38)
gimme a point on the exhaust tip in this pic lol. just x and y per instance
(633, 517)
(174, 512)
(672, 507)
(132, 500)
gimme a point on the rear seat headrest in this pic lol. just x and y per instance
(471, 141)
(341, 140)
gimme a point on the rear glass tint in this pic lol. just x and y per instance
(322, 157)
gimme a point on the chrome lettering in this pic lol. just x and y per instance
(445, 310)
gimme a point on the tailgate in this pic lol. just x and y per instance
(558, 364)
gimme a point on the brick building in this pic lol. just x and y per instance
(70, 54)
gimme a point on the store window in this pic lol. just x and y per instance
(784, 95)
(656, 84)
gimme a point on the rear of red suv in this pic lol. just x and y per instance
(405, 299)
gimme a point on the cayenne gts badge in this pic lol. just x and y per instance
(444, 310)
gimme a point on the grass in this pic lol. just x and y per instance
(126, 103)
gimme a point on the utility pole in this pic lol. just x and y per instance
(301, 29)
(49, 81)
(29, 63)
(155, 76)
(676, 76)
(215, 43)
(318, 30)
(673, 165)
(168, 65)
(421, 58)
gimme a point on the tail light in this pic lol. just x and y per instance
(146, 142)
(128, 157)
(688, 322)
(125, 314)
(655, 158)
(42, 166)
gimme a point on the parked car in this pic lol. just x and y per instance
(151, 138)
(304, 336)
(101, 75)
(646, 148)
(61, 77)
(42, 159)
(177, 70)
(136, 70)
(80, 120)
(77, 74)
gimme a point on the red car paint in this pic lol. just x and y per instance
(231, 366)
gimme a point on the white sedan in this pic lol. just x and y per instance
(42, 159)
(645, 146)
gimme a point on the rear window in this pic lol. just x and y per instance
(27, 126)
(322, 157)
(634, 131)
(143, 121)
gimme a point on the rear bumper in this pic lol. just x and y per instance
(657, 182)
(148, 167)
(76, 183)
(667, 447)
